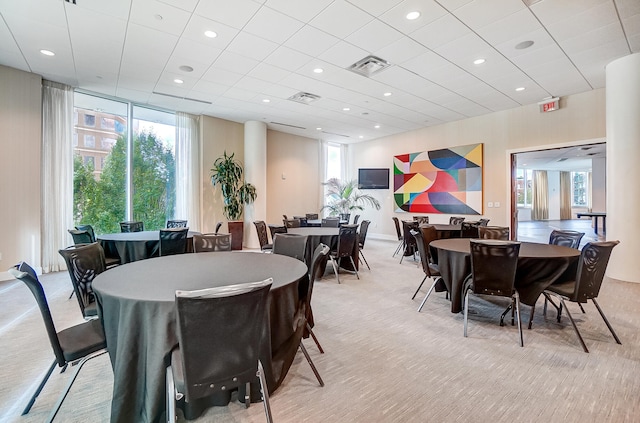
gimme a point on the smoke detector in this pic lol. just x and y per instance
(369, 66)
(304, 98)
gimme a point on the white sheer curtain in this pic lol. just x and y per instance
(345, 168)
(540, 188)
(187, 169)
(565, 195)
(57, 173)
(323, 154)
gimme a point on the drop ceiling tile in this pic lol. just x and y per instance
(540, 38)
(188, 5)
(510, 27)
(440, 31)
(311, 41)
(208, 89)
(191, 51)
(148, 45)
(174, 63)
(540, 56)
(550, 12)
(341, 19)
(272, 25)
(401, 50)
(139, 71)
(374, 36)
(269, 73)
(160, 16)
(251, 46)
(301, 10)
(222, 76)
(464, 49)
(197, 26)
(480, 13)
(589, 20)
(343, 54)
(234, 62)
(90, 29)
(452, 5)
(287, 58)
(49, 12)
(429, 12)
(374, 8)
(134, 95)
(234, 13)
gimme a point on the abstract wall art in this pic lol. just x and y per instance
(439, 181)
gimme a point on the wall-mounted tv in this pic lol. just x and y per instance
(370, 178)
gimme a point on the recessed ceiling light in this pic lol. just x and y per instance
(210, 34)
(361, 136)
(413, 15)
(318, 70)
(377, 126)
(346, 109)
(520, 89)
(185, 68)
(387, 94)
(318, 129)
(524, 44)
(178, 81)
(158, 17)
(266, 100)
(479, 61)
(47, 52)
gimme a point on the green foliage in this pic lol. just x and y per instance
(102, 203)
(344, 197)
(227, 173)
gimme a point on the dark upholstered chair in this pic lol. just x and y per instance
(277, 229)
(409, 240)
(75, 345)
(84, 263)
(311, 216)
(315, 269)
(330, 222)
(424, 235)
(483, 222)
(586, 286)
(204, 243)
(263, 237)
(84, 234)
(566, 238)
(80, 236)
(493, 232)
(469, 230)
(88, 228)
(356, 218)
(218, 225)
(399, 233)
(362, 237)
(211, 357)
(455, 220)
(493, 272)
(173, 241)
(303, 221)
(176, 224)
(133, 226)
(290, 245)
(291, 223)
(421, 220)
(347, 239)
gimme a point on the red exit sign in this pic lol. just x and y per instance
(549, 105)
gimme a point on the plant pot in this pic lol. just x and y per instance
(344, 217)
(236, 229)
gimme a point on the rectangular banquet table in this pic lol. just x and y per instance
(136, 304)
(595, 216)
(133, 246)
(539, 265)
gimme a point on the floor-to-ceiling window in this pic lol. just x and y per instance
(105, 161)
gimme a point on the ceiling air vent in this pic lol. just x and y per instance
(562, 159)
(368, 66)
(304, 98)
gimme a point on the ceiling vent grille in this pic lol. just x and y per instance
(287, 125)
(562, 159)
(304, 98)
(369, 66)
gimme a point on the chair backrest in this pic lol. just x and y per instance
(290, 245)
(284, 216)
(275, 229)
(84, 263)
(493, 266)
(566, 238)
(469, 230)
(219, 357)
(311, 216)
(80, 236)
(291, 223)
(398, 231)
(173, 241)
(303, 221)
(347, 237)
(133, 226)
(218, 225)
(89, 229)
(421, 220)
(483, 222)
(455, 220)
(423, 247)
(203, 243)
(25, 273)
(315, 269)
(176, 224)
(261, 229)
(330, 222)
(356, 218)
(362, 235)
(591, 269)
(409, 240)
(493, 232)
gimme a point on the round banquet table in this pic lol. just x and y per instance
(136, 304)
(539, 265)
(327, 236)
(134, 246)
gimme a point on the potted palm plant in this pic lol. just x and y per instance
(227, 172)
(344, 197)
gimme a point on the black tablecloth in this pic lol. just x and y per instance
(134, 246)
(539, 265)
(136, 304)
(315, 236)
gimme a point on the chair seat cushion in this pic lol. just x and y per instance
(91, 310)
(565, 289)
(267, 247)
(81, 340)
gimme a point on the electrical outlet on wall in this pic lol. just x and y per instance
(496, 204)
(490, 204)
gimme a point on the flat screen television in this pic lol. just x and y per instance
(370, 178)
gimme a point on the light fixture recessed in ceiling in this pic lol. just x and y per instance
(158, 17)
(266, 100)
(47, 52)
(318, 70)
(346, 109)
(210, 34)
(524, 44)
(387, 94)
(185, 68)
(178, 81)
(318, 129)
(520, 89)
(361, 136)
(413, 15)
(479, 61)
(377, 126)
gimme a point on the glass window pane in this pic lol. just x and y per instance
(333, 162)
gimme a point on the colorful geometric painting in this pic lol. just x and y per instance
(440, 181)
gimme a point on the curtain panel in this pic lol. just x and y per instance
(57, 173)
(540, 203)
(187, 169)
(565, 195)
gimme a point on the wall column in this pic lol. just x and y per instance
(623, 172)
(255, 168)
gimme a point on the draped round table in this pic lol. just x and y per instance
(539, 265)
(136, 304)
(133, 246)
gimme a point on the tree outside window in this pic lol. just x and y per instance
(579, 182)
(524, 193)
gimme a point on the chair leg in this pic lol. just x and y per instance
(247, 395)
(582, 309)
(504, 313)
(42, 383)
(419, 286)
(170, 397)
(533, 310)
(265, 393)
(71, 295)
(466, 311)
(517, 307)
(433, 285)
(398, 248)
(365, 259)
(313, 335)
(354, 267)
(606, 321)
(313, 367)
(573, 323)
(81, 363)
(335, 269)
